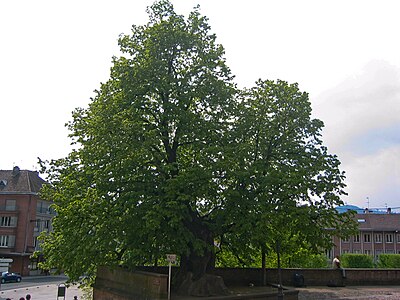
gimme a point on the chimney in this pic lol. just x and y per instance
(15, 171)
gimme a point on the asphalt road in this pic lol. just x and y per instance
(30, 281)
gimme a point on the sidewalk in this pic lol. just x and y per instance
(42, 292)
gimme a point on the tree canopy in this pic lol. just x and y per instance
(171, 157)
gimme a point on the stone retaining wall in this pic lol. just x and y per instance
(312, 277)
(119, 284)
(151, 283)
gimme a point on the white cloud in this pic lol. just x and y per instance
(376, 176)
(367, 101)
(362, 122)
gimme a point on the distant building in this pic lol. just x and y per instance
(23, 216)
(379, 232)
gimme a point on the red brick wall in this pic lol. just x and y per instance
(119, 284)
(25, 211)
(312, 277)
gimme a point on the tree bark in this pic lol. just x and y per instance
(263, 267)
(195, 276)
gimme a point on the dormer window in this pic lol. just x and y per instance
(3, 183)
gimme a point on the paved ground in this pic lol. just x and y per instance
(325, 293)
(49, 292)
(350, 293)
(41, 292)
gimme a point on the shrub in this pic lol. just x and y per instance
(389, 261)
(356, 261)
(308, 260)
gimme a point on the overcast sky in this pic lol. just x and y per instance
(345, 54)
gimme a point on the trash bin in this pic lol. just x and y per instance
(298, 280)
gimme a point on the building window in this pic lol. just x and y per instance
(11, 205)
(378, 237)
(43, 207)
(329, 253)
(37, 244)
(357, 251)
(46, 224)
(8, 221)
(34, 264)
(367, 252)
(346, 239)
(389, 251)
(7, 241)
(41, 225)
(389, 238)
(38, 225)
(398, 237)
(345, 251)
(357, 238)
(367, 238)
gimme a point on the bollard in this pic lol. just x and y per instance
(61, 291)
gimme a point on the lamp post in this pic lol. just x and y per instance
(280, 288)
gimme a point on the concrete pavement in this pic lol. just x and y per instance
(42, 292)
(48, 291)
(350, 293)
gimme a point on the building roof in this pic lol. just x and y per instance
(359, 210)
(378, 222)
(18, 181)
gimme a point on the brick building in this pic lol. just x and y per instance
(379, 232)
(23, 216)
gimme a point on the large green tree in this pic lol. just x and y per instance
(286, 181)
(171, 158)
(287, 172)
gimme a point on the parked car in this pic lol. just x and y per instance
(10, 277)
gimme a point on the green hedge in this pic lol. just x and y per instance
(388, 261)
(349, 260)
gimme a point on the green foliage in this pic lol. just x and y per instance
(148, 172)
(170, 157)
(388, 261)
(306, 259)
(286, 180)
(232, 257)
(302, 258)
(350, 260)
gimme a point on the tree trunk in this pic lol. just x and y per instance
(194, 277)
(263, 267)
